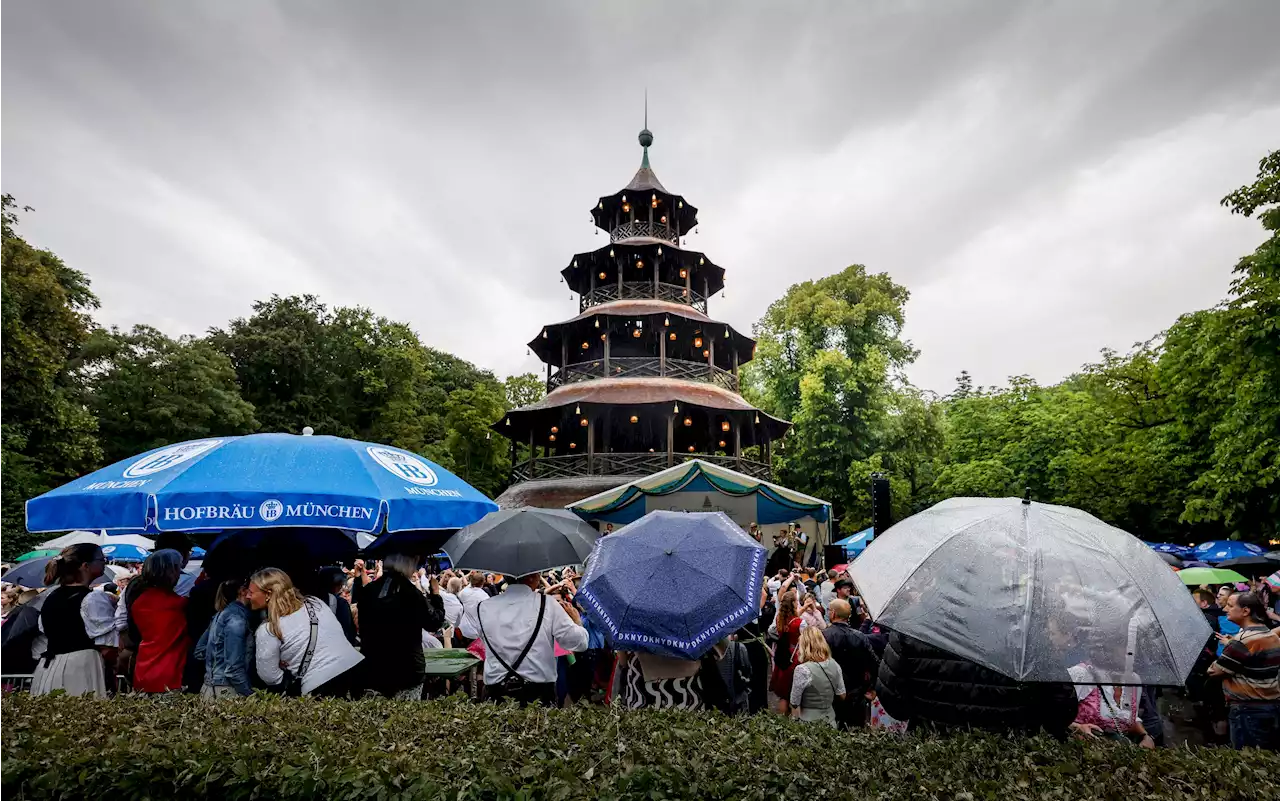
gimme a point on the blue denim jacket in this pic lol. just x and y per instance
(227, 648)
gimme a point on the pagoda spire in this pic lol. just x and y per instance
(646, 136)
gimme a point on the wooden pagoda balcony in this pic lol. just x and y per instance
(640, 229)
(626, 464)
(643, 290)
(644, 367)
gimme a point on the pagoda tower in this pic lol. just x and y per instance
(642, 378)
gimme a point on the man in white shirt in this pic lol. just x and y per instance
(470, 596)
(509, 624)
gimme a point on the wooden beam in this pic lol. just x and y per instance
(671, 440)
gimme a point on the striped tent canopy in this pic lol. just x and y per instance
(743, 496)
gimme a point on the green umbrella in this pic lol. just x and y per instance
(43, 552)
(1195, 576)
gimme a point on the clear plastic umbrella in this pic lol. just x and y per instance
(1035, 591)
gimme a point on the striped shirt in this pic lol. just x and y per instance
(1252, 664)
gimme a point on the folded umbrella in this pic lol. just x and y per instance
(1034, 591)
(674, 583)
(517, 542)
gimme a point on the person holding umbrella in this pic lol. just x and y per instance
(520, 629)
(393, 616)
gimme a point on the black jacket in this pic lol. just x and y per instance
(20, 630)
(852, 652)
(932, 687)
(393, 615)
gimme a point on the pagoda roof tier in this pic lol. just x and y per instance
(703, 277)
(661, 397)
(622, 320)
(644, 198)
(557, 493)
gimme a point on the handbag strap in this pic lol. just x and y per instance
(311, 642)
(511, 669)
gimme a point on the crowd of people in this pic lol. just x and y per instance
(813, 653)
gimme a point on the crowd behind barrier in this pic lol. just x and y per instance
(391, 628)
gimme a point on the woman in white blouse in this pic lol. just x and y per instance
(325, 663)
(79, 624)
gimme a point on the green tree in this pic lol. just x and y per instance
(48, 432)
(148, 390)
(982, 478)
(828, 353)
(524, 389)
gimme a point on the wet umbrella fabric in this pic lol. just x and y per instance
(1169, 559)
(263, 481)
(674, 583)
(1180, 551)
(1032, 591)
(31, 574)
(297, 551)
(517, 542)
(1216, 551)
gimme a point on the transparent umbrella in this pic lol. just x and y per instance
(1035, 591)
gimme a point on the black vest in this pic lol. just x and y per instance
(63, 623)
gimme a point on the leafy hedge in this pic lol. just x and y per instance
(268, 747)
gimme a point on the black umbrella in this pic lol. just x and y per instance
(1169, 559)
(31, 574)
(1252, 565)
(517, 542)
(296, 551)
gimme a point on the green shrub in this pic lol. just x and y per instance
(275, 748)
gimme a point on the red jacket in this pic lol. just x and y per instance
(160, 617)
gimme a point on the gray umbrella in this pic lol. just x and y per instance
(517, 542)
(1035, 591)
(30, 574)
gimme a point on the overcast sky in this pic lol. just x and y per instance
(1044, 178)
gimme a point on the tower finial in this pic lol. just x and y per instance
(646, 136)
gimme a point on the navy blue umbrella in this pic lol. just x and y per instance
(674, 583)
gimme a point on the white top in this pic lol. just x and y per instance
(185, 582)
(98, 611)
(803, 677)
(452, 608)
(508, 621)
(470, 597)
(332, 657)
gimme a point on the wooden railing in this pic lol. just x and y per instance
(642, 229)
(626, 464)
(642, 290)
(644, 367)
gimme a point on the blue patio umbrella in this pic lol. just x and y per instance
(264, 481)
(124, 553)
(1180, 551)
(1215, 551)
(674, 583)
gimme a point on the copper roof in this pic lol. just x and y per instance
(579, 278)
(557, 493)
(644, 181)
(634, 391)
(547, 347)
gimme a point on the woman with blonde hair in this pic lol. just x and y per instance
(817, 681)
(301, 649)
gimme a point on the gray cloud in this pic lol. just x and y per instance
(1043, 177)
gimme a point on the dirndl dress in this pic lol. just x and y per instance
(78, 673)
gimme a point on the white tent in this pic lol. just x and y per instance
(99, 538)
